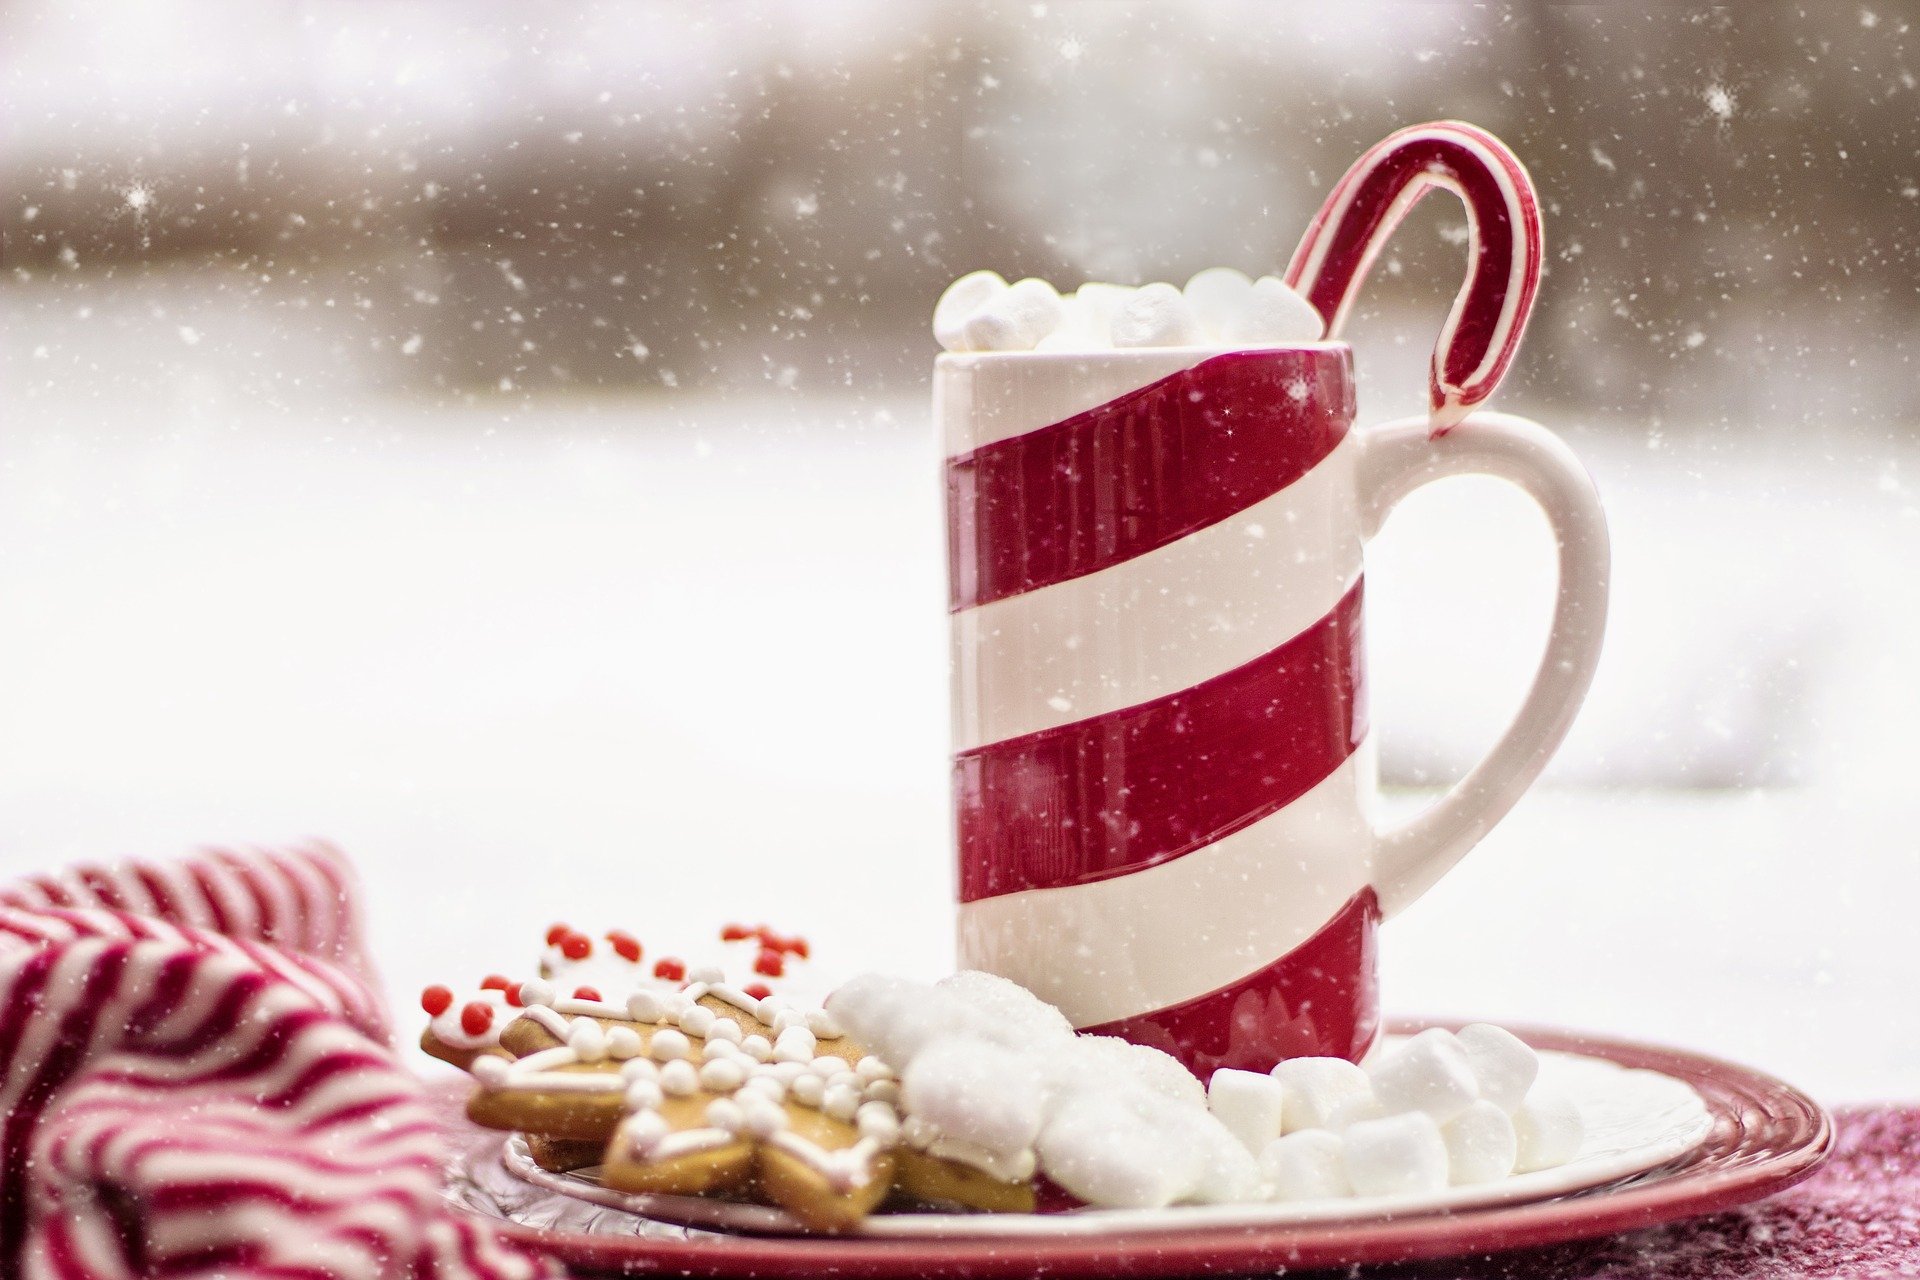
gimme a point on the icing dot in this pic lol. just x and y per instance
(920, 1134)
(877, 1120)
(576, 946)
(788, 1018)
(725, 1031)
(769, 1008)
(623, 1043)
(678, 1079)
(758, 990)
(494, 982)
(794, 1045)
(670, 969)
(646, 1126)
(827, 1066)
(625, 945)
(489, 1070)
(475, 1018)
(639, 1069)
(698, 1021)
(883, 1091)
(725, 1113)
(587, 1040)
(735, 933)
(585, 993)
(723, 1075)
(669, 1045)
(844, 1077)
(758, 1047)
(536, 992)
(809, 1090)
(788, 1072)
(762, 1118)
(768, 1087)
(643, 1095)
(770, 962)
(557, 932)
(871, 1068)
(840, 1102)
(707, 973)
(646, 1006)
(823, 1025)
(436, 1000)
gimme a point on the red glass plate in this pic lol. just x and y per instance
(1766, 1136)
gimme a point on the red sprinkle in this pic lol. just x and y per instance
(576, 946)
(494, 982)
(758, 990)
(476, 1018)
(436, 1000)
(670, 969)
(513, 996)
(625, 945)
(798, 945)
(770, 962)
(736, 933)
(585, 993)
(558, 932)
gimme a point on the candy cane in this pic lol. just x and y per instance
(1483, 329)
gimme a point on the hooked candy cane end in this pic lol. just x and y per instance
(1449, 406)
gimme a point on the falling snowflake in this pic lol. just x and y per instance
(1072, 49)
(138, 199)
(1720, 101)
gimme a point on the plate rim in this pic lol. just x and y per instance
(1679, 1189)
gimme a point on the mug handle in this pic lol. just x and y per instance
(1394, 460)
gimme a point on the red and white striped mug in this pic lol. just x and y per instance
(1163, 775)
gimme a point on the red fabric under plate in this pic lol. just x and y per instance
(197, 1080)
(1858, 1218)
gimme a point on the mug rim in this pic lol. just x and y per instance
(1117, 354)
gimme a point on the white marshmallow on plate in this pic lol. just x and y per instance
(1249, 1104)
(1428, 1073)
(1400, 1155)
(1309, 1164)
(1503, 1063)
(1312, 1087)
(1015, 319)
(1548, 1131)
(1275, 315)
(1157, 315)
(1481, 1145)
(1220, 298)
(1361, 1106)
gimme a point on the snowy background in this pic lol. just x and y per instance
(504, 450)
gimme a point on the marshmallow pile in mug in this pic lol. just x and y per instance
(1219, 307)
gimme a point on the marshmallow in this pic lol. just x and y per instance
(1105, 1057)
(1312, 1087)
(1157, 315)
(1481, 1144)
(1274, 315)
(1548, 1130)
(1249, 1104)
(1092, 308)
(964, 297)
(1309, 1164)
(1502, 1062)
(1400, 1155)
(1220, 297)
(1362, 1106)
(1428, 1073)
(1013, 320)
(977, 1092)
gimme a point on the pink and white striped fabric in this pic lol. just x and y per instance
(1160, 706)
(197, 1080)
